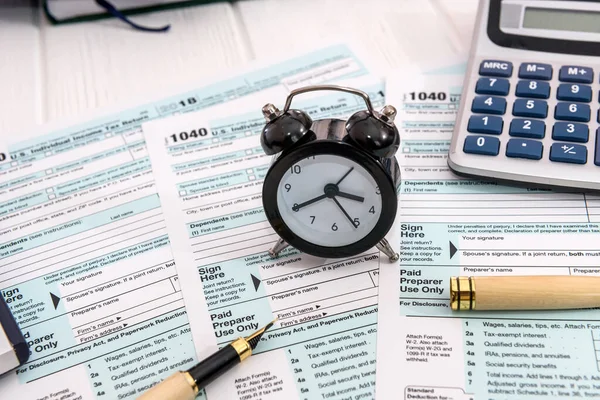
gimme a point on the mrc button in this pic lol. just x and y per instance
(495, 68)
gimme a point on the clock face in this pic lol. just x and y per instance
(329, 200)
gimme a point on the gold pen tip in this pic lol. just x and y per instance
(255, 337)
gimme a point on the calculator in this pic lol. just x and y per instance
(529, 111)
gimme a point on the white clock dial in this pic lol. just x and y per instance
(329, 200)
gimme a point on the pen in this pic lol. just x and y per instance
(185, 385)
(524, 292)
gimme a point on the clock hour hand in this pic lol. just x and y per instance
(344, 211)
(297, 207)
(351, 196)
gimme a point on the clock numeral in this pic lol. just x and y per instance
(313, 219)
(356, 222)
(372, 210)
(377, 191)
(295, 207)
(288, 187)
(296, 169)
(334, 227)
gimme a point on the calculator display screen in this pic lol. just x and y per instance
(563, 20)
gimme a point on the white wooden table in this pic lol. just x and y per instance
(52, 72)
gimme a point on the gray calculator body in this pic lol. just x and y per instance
(548, 132)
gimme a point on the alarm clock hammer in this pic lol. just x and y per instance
(332, 189)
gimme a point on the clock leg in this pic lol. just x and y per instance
(277, 247)
(385, 247)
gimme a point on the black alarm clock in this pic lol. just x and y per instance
(332, 190)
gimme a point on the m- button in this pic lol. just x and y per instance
(535, 71)
(495, 68)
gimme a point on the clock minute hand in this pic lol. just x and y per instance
(344, 211)
(344, 177)
(309, 202)
(351, 196)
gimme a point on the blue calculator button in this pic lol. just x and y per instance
(535, 71)
(537, 89)
(485, 145)
(489, 105)
(572, 112)
(495, 68)
(570, 131)
(574, 92)
(530, 108)
(497, 86)
(568, 153)
(485, 124)
(527, 128)
(573, 73)
(523, 148)
(597, 151)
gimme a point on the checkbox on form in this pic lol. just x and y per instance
(406, 150)
(248, 133)
(48, 153)
(252, 177)
(249, 171)
(248, 151)
(49, 171)
(51, 196)
(182, 193)
(49, 190)
(14, 163)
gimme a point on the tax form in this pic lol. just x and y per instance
(448, 227)
(85, 261)
(209, 168)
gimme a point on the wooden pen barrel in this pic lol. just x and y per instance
(524, 292)
(179, 386)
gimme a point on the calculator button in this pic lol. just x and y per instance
(573, 73)
(572, 112)
(568, 153)
(489, 105)
(485, 145)
(535, 71)
(497, 86)
(523, 148)
(597, 151)
(527, 128)
(570, 131)
(530, 108)
(495, 68)
(537, 89)
(485, 124)
(574, 92)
